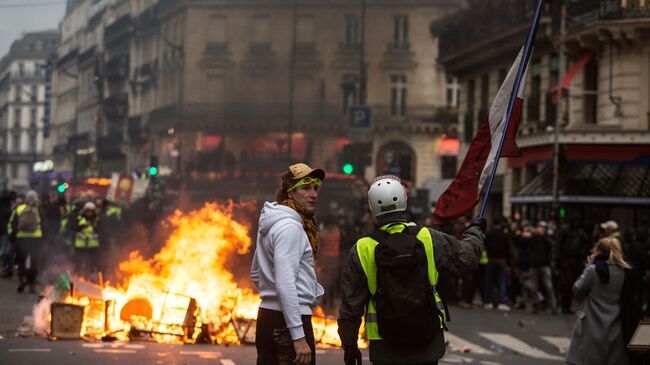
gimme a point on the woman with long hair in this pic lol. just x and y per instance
(597, 335)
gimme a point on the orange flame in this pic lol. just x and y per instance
(156, 296)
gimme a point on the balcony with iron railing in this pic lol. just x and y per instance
(118, 30)
(482, 21)
(117, 68)
(109, 145)
(624, 9)
(116, 105)
(585, 13)
(28, 76)
(252, 116)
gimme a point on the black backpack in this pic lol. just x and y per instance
(407, 315)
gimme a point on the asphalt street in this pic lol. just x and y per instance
(477, 336)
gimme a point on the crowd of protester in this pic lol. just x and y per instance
(44, 234)
(526, 265)
(533, 265)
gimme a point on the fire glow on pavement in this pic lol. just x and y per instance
(184, 293)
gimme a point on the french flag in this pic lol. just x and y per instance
(463, 193)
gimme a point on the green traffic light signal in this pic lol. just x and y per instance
(562, 213)
(348, 168)
(153, 171)
(61, 188)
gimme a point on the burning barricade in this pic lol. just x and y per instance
(183, 294)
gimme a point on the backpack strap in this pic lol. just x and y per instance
(378, 235)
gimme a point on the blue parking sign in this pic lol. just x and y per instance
(360, 117)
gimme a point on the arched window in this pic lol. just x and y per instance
(397, 158)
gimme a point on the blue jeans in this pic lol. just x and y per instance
(496, 272)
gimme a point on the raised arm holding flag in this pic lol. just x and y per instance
(494, 139)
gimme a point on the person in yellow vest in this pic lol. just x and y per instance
(390, 277)
(86, 240)
(25, 231)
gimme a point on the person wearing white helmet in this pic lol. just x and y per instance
(390, 278)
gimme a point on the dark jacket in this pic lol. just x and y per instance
(572, 246)
(450, 255)
(497, 244)
(536, 251)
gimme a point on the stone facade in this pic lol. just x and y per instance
(607, 104)
(22, 107)
(212, 81)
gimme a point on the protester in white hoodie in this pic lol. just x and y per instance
(283, 270)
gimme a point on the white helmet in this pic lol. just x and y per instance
(386, 194)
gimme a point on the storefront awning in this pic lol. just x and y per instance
(597, 183)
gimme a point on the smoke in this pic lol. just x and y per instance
(41, 312)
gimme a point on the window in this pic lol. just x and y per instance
(590, 99)
(21, 69)
(400, 31)
(484, 98)
(551, 110)
(18, 93)
(448, 165)
(261, 29)
(305, 29)
(453, 88)
(469, 116)
(14, 170)
(502, 75)
(352, 31)
(34, 94)
(32, 141)
(16, 146)
(349, 90)
(535, 91)
(17, 118)
(32, 118)
(397, 95)
(37, 70)
(217, 29)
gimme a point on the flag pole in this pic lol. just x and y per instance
(528, 50)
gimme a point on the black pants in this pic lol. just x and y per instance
(273, 340)
(29, 249)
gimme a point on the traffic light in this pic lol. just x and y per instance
(354, 158)
(62, 188)
(153, 165)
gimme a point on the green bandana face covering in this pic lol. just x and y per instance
(306, 181)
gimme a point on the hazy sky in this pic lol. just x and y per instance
(17, 16)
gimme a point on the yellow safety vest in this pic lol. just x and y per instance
(366, 251)
(87, 238)
(114, 211)
(69, 208)
(484, 258)
(38, 233)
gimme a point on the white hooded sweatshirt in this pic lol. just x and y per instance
(283, 266)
